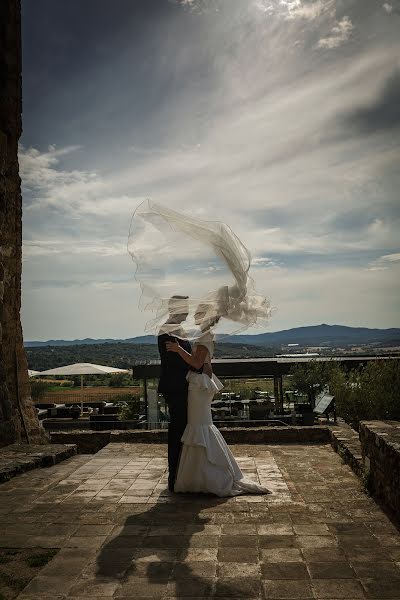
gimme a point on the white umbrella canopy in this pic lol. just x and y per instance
(83, 369)
(32, 373)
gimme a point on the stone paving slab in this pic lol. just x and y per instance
(18, 458)
(122, 535)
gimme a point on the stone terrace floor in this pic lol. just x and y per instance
(122, 535)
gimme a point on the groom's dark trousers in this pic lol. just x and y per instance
(174, 387)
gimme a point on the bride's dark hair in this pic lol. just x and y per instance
(178, 305)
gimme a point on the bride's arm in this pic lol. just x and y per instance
(207, 369)
(195, 360)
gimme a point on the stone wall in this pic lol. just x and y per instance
(18, 421)
(380, 445)
(90, 442)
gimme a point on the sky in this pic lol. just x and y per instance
(280, 118)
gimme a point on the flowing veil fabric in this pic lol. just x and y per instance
(181, 255)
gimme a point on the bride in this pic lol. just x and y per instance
(206, 464)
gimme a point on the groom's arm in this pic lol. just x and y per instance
(170, 360)
(196, 360)
(167, 357)
(188, 348)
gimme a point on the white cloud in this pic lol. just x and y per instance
(263, 261)
(307, 10)
(72, 247)
(388, 8)
(384, 262)
(72, 192)
(339, 34)
(295, 9)
(39, 169)
(198, 6)
(51, 185)
(392, 257)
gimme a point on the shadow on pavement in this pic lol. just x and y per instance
(156, 547)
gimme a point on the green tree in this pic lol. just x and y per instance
(372, 393)
(38, 389)
(119, 380)
(310, 378)
(129, 409)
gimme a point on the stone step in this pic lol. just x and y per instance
(346, 442)
(18, 458)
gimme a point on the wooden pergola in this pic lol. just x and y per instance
(256, 368)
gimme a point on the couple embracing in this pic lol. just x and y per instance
(199, 459)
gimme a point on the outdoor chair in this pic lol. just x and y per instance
(44, 405)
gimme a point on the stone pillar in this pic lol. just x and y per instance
(152, 406)
(18, 420)
(278, 393)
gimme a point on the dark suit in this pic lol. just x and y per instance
(174, 387)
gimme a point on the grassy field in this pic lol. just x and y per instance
(89, 394)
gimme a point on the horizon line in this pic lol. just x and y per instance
(230, 335)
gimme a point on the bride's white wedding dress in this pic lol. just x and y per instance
(206, 464)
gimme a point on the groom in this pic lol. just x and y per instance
(173, 385)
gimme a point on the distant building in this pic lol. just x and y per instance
(297, 355)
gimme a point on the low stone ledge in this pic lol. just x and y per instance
(18, 458)
(380, 441)
(315, 434)
(89, 442)
(346, 442)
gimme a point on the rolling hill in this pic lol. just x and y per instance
(311, 335)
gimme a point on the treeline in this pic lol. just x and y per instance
(122, 355)
(366, 393)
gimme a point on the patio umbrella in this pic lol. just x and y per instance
(33, 373)
(83, 369)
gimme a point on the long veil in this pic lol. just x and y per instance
(183, 262)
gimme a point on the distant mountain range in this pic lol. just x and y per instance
(312, 335)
